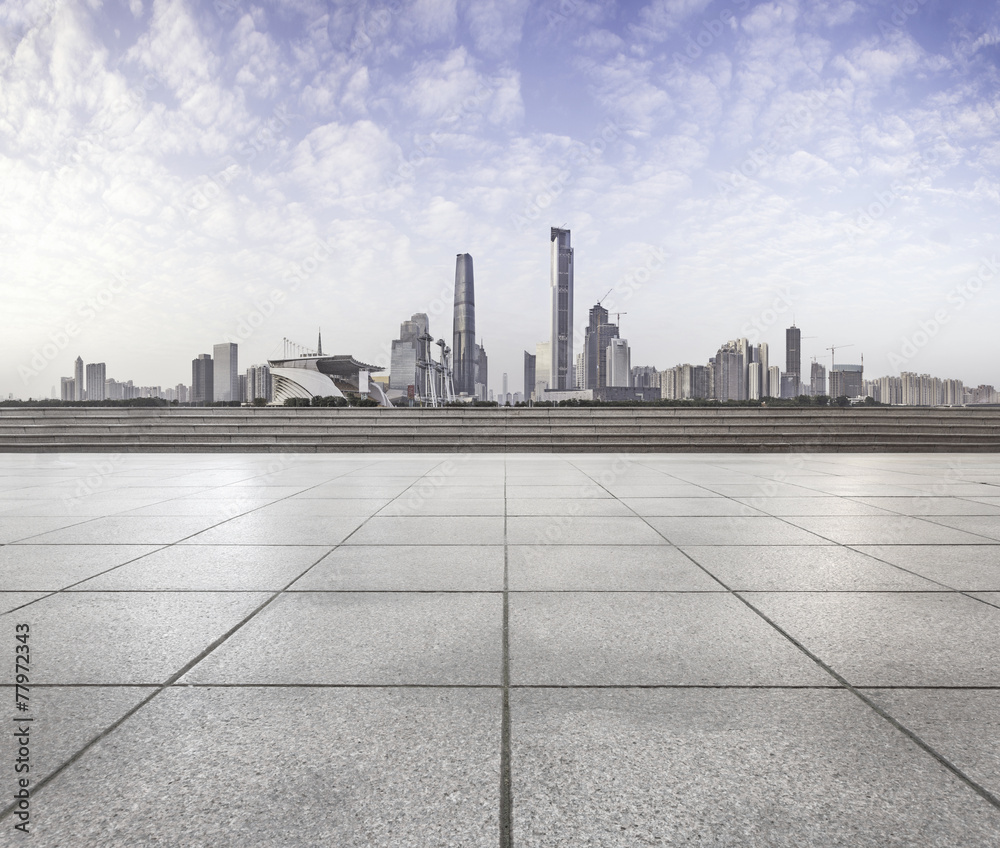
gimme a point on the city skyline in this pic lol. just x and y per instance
(182, 174)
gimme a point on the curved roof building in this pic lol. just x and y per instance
(324, 376)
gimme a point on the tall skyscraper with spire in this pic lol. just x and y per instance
(464, 329)
(562, 368)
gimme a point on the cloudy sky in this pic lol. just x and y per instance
(177, 173)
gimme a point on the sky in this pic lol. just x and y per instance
(178, 174)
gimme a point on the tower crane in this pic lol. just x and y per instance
(833, 349)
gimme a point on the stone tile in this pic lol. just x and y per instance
(734, 530)
(256, 529)
(933, 505)
(625, 639)
(582, 490)
(981, 525)
(12, 600)
(784, 769)
(580, 530)
(54, 567)
(707, 507)
(962, 725)
(240, 767)
(650, 568)
(408, 568)
(444, 506)
(65, 718)
(962, 567)
(568, 506)
(320, 508)
(824, 506)
(783, 568)
(18, 528)
(125, 637)
(125, 530)
(884, 530)
(430, 530)
(212, 568)
(666, 489)
(763, 488)
(217, 508)
(357, 638)
(893, 639)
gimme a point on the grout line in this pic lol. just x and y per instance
(506, 793)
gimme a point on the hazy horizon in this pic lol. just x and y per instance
(169, 165)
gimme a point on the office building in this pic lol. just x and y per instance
(619, 363)
(406, 354)
(464, 328)
(79, 392)
(765, 371)
(67, 388)
(226, 374)
(792, 379)
(729, 373)
(504, 382)
(202, 379)
(529, 374)
(596, 337)
(645, 377)
(817, 379)
(561, 369)
(543, 362)
(482, 374)
(848, 381)
(774, 381)
(95, 380)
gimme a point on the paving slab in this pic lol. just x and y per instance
(645, 568)
(797, 568)
(430, 530)
(403, 568)
(124, 637)
(962, 567)
(54, 567)
(769, 768)
(364, 638)
(733, 530)
(571, 529)
(893, 638)
(649, 639)
(293, 767)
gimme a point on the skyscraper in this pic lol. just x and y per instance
(597, 336)
(817, 379)
(765, 371)
(529, 374)
(793, 362)
(464, 328)
(226, 374)
(202, 379)
(482, 373)
(95, 380)
(561, 374)
(78, 389)
(619, 363)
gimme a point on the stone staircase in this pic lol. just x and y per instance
(579, 430)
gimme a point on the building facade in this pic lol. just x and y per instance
(96, 375)
(561, 371)
(226, 374)
(464, 327)
(202, 379)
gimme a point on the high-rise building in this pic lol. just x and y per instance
(765, 372)
(67, 388)
(504, 382)
(482, 374)
(95, 380)
(464, 328)
(79, 393)
(619, 363)
(793, 362)
(226, 374)
(817, 379)
(258, 384)
(596, 338)
(730, 373)
(406, 353)
(543, 362)
(202, 379)
(529, 374)
(848, 380)
(774, 381)
(561, 369)
(645, 377)
(580, 371)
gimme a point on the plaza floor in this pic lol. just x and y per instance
(503, 650)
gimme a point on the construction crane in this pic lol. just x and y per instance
(606, 294)
(833, 349)
(618, 319)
